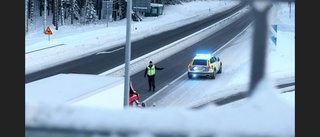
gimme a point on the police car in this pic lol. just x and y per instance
(205, 65)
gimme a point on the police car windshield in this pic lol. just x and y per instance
(199, 62)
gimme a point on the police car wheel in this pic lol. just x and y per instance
(220, 70)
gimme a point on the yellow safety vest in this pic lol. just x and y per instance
(152, 70)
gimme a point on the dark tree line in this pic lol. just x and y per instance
(84, 11)
(69, 11)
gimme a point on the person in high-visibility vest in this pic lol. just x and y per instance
(151, 73)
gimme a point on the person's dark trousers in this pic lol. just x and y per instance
(151, 82)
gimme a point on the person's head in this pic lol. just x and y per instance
(150, 63)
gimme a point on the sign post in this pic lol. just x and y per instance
(48, 32)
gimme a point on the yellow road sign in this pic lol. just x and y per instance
(48, 31)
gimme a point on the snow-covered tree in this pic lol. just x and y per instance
(91, 13)
(26, 16)
(31, 11)
(44, 15)
(62, 12)
(55, 14)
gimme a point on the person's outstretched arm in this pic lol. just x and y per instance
(159, 68)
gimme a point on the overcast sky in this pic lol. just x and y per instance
(268, 113)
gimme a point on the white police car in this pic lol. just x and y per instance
(205, 65)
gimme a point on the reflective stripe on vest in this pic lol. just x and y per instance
(152, 70)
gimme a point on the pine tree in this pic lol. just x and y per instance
(31, 10)
(91, 13)
(74, 10)
(26, 16)
(62, 3)
(45, 15)
(55, 18)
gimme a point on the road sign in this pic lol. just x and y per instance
(48, 31)
(273, 37)
(273, 31)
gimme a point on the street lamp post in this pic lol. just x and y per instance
(127, 55)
